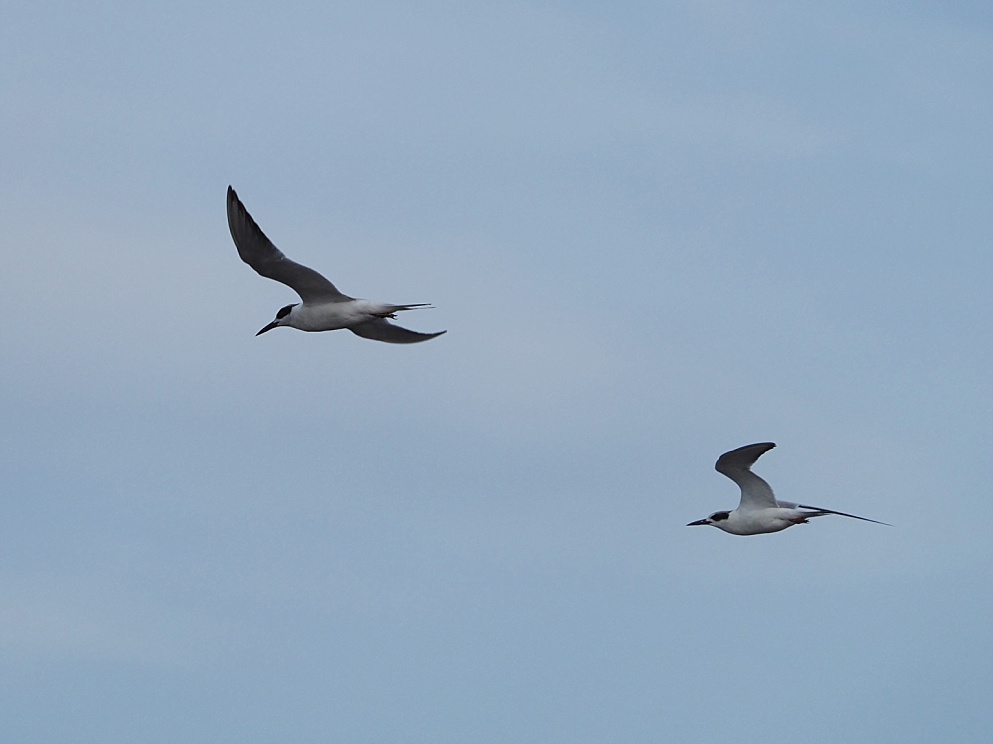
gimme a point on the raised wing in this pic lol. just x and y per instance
(382, 330)
(736, 465)
(259, 252)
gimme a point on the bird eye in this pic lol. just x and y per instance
(284, 311)
(719, 516)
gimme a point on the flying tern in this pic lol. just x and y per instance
(324, 308)
(759, 510)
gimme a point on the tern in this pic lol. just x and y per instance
(759, 510)
(324, 308)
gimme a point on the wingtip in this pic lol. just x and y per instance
(383, 330)
(741, 458)
(429, 336)
(760, 447)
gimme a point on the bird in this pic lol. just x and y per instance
(324, 308)
(759, 510)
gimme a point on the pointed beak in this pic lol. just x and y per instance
(698, 523)
(267, 328)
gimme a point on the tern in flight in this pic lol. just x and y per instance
(324, 308)
(759, 510)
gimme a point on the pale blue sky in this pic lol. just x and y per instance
(654, 232)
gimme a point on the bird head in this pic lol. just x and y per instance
(713, 520)
(282, 318)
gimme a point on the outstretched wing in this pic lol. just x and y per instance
(736, 465)
(820, 511)
(382, 330)
(259, 252)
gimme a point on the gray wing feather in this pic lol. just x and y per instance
(382, 330)
(736, 465)
(259, 252)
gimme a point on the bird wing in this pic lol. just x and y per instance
(821, 511)
(258, 252)
(382, 330)
(736, 465)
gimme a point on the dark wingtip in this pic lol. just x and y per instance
(757, 450)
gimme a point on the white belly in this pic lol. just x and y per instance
(334, 315)
(757, 522)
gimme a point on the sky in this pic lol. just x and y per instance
(654, 232)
